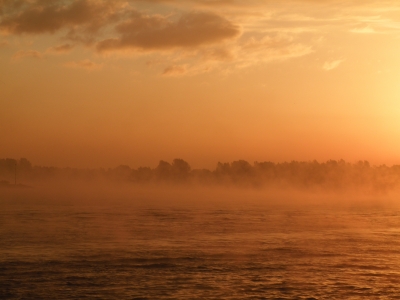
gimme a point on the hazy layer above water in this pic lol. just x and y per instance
(69, 240)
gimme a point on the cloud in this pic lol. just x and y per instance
(270, 48)
(216, 2)
(39, 16)
(158, 33)
(64, 48)
(363, 30)
(233, 55)
(268, 42)
(7, 5)
(174, 70)
(27, 54)
(218, 54)
(193, 36)
(330, 65)
(83, 64)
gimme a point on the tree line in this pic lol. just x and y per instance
(331, 174)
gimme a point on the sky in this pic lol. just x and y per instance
(96, 83)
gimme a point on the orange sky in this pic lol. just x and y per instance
(93, 83)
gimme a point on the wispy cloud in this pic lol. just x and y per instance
(60, 49)
(174, 70)
(84, 64)
(271, 48)
(27, 54)
(330, 65)
(363, 30)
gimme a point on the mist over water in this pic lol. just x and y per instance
(64, 240)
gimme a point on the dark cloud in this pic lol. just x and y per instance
(156, 32)
(82, 19)
(36, 17)
(10, 5)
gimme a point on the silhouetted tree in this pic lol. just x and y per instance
(241, 168)
(329, 175)
(223, 168)
(163, 170)
(180, 169)
(24, 165)
(7, 169)
(122, 172)
(143, 174)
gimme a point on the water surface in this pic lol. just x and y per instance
(116, 250)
